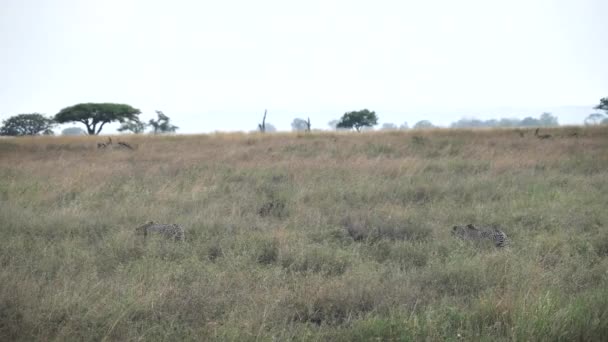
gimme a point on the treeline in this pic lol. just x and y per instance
(545, 120)
(95, 115)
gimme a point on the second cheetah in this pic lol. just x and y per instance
(470, 232)
(170, 231)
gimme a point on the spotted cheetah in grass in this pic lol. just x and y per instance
(170, 231)
(470, 232)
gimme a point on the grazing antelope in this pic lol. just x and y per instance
(106, 144)
(125, 145)
(109, 144)
(541, 136)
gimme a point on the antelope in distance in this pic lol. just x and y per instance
(541, 136)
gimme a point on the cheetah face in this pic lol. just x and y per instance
(142, 229)
(464, 231)
(458, 230)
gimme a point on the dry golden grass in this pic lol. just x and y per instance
(353, 242)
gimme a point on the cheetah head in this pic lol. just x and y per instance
(142, 229)
(462, 230)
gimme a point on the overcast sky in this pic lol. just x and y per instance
(216, 65)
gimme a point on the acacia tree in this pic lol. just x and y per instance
(162, 124)
(95, 115)
(27, 124)
(358, 119)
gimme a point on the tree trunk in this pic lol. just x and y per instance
(100, 126)
(262, 126)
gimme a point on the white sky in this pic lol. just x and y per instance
(216, 65)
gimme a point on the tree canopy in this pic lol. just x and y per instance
(96, 115)
(423, 124)
(358, 119)
(27, 124)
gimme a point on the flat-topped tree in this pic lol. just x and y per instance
(96, 115)
(358, 119)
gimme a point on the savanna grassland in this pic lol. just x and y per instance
(322, 236)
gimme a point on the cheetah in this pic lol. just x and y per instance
(170, 231)
(470, 232)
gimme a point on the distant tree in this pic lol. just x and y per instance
(262, 126)
(473, 123)
(333, 124)
(270, 128)
(467, 123)
(162, 124)
(27, 124)
(548, 120)
(133, 126)
(594, 119)
(530, 122)
(508, 122)
(73, 131)
(94, 114)
(423, 124)
(603, 105)
(404, 126)
(300, 125)
(387, 126)
(358, 119)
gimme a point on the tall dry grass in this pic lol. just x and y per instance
(323, 236)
